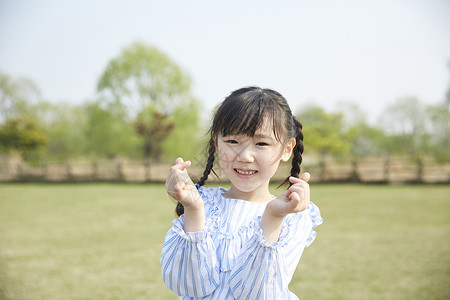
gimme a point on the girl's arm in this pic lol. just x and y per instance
(180, 186)
(189, 265)
(295, 199)
(188, 262)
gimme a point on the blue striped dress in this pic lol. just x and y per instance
(231, 259)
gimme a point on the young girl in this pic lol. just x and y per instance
(241, 243)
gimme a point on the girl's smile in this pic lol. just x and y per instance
(245, 173)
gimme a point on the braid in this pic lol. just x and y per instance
(297, 151)
(209, 163)
(209, 167)
(179, 210)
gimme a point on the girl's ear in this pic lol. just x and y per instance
(287, 152)
(213, 137)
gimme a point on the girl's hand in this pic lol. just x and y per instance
(180, 186)
(294, 200)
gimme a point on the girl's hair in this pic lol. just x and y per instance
(243, 112)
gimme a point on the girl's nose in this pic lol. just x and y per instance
(245, 155)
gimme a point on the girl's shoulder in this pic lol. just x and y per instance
(211, 196)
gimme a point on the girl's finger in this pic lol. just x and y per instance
(298, 189)
(187, 164)
(177, 173)
(294, 196)
(299, 183)
(305, 177)
(295, 180)
(180, 164)
(301, 188)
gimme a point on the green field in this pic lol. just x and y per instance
(103, 241)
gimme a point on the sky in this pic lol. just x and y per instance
(319, 52)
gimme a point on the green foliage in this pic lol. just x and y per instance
(142, 84)
(185, 139)
(365, 140)
(15, 97)
(63, 124)
(156, 94)
(107, 132)
(142, 75)
(324, 132)
(439, 118)
(19, 131)
(177, 134)
(405, 124)
(21, 135)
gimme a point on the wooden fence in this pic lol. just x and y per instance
(374, 170)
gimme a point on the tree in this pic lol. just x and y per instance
(364, 140)
(440, 127)
(152, 87)
(107, 131)
(405, 124)
(142, 75)
(447, 95)
(18, 131)
(15, 97)
(154, 131)
(21, 135)
(63, 124)
(324, 133)
(352, 114)
(186, 137)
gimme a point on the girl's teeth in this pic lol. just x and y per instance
(245, 172)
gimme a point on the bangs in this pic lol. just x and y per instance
(246, 114)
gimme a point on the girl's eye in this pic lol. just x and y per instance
(232, 142)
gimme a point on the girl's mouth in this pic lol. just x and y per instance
(245, 172)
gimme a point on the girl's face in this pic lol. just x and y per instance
(250, 162)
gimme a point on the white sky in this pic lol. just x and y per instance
(312, 51)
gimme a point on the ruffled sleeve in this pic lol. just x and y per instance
(264, 269)
(188, 261)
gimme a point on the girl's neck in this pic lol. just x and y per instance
(259, 195)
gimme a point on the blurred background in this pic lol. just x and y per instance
(89, 81)
(114, 91)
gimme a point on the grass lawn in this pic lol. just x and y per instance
(103, 241)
